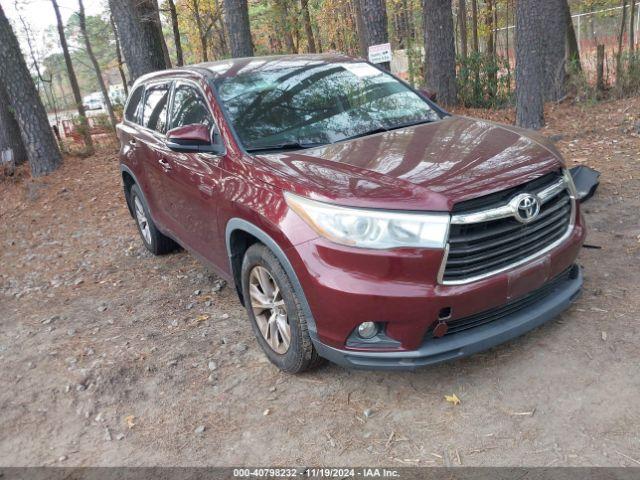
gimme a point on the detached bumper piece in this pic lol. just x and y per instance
(586, 180)
(475, 333)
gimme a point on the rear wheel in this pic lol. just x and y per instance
(154, 240)
(278, 320)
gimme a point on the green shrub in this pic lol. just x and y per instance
(629, 81)
(484, 81)
(101, 120)
(578, 85)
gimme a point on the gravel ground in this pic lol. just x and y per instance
(113, 357)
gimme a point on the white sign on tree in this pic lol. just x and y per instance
(380, 53)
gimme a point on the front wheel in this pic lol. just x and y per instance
(278, 320)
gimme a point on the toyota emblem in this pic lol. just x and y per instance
(527, 207)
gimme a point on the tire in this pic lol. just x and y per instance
(156, 242)
(300, 355)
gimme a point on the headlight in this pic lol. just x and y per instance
(379, 229)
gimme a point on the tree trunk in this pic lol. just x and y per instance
(362, 29)
(506, 36)
(176, 33)
(492, 76)
(600, 68)
(495, 28)
(474, 25)
(620, 39)
(236, 18)
(140, 37)
(489, 24)
(462, 22)
(632, 27)
(75, 88)
(408, 22)
(374, 15)
(119, 56)
(163, 44)
(400, 23)
(287, 27)
(49, 96)
(554, 40)
(440, 50)
(15, 79)
(103, 88)
(306, 19)
(223, 50)
(573, 50)
(195, 5)
(530, 21)
(10, 131)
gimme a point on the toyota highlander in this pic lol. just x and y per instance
(358, 221)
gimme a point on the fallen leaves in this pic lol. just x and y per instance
(130, 421)
(452, 399)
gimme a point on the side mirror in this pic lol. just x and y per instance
(429, 94)
(193, 138)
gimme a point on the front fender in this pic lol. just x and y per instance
(239, 224)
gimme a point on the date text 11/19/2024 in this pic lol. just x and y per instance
(316, 472)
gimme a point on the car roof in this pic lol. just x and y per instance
(236, 66)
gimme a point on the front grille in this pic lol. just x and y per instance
(521, 303)
(479, 249)
(503, 196)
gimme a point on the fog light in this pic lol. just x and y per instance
(367, 330)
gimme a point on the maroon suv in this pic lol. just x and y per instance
(358, 221)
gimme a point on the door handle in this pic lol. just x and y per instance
(166, 165)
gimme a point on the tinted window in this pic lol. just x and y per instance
(317, 102)
(154, 114)
(189, 107)
(133, 107)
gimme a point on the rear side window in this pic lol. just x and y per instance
(154, 112)
(134, 106)
(189, 107)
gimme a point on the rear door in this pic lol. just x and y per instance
(128, 129)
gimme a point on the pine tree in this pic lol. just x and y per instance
(140, 36)
(237, 23)
(440, 50)
(29, 113)
(530, 63)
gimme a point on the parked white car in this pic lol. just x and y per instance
(93, 101)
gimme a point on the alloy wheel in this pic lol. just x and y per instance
(143, 222)
(269, 309)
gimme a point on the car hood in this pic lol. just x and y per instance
(425, 167)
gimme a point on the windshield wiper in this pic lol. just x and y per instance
(382, 129)
(365, 134)
(409, 124)
(285, 146)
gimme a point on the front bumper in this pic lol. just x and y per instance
(467, 342)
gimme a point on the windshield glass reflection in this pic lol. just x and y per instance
(315, 103)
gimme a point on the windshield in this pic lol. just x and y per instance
(314, 103)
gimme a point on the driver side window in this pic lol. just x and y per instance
(189, 107)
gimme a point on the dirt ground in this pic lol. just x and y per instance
(110, 356)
